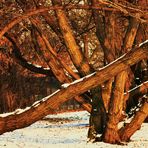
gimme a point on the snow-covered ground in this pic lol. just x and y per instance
(65, 130)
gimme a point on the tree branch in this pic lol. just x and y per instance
(135, 124)
(38, 110)
(100, 7)
(23, 62)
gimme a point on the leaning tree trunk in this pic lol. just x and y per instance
(83, 67)
(73, 48)
(135, 124)
(116, 108)
(115, 111)
(106, 37)
(38, 110)
(58, 68)
(110, 43)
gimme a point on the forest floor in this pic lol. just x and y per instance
(64, 130)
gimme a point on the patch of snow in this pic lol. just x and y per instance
(71, 134)
(17, 111)
(143, 43)
(46, 68)
(112, 62)
(23, 110)
(29, 63)
(82, 115)
(79, 80)
(47, 97)
(35, 103)
(136, 87)
(75, 70)
(6, 114)
(65, 85)
(92, 74)
(38, 66)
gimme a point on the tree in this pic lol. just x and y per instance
(59, 28)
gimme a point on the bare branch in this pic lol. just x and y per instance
(139, 13)
(40, 109)
(23, 62)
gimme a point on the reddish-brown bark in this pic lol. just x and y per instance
(41, 109)
(135, 124)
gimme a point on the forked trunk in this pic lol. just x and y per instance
(115, 110)
(38, 110)
(82, 65)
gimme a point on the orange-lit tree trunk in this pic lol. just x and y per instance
(109, 99)
(116, 106)
(59, 67)
(135, 124)
(111, 42)
(115, 110)
(38, 110)
(97, 119)
(74, 49)
(105, 31)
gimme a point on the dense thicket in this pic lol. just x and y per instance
(68, 40)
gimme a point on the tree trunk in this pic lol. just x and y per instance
(106, 37)
(134, 95)
(115, 110)
(135, 124)
(57, 68)
(52, 51)
(40, 109)
(106, 93)
(97, 119)
(79, 61)
(74, 50)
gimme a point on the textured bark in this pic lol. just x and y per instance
(135, 92)
(116, 107)
(8, 99)
(138, 90)
(58, 70)
(16, 55)
(79, 60)
(52, 62)
(86, 49)
(42, 10)
(41, 109)
(97, 119)
(135, 124)
(73, 48)
(135, 96)
(102, 33)
(62, 76)
(110, 42)
(106, 93)
(52, 51)
(115, 110)
(105, 31)
(53, 54)
(130, 34)
(127, 44)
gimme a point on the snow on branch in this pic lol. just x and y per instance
(38, 110)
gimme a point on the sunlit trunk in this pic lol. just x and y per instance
(38, 110)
